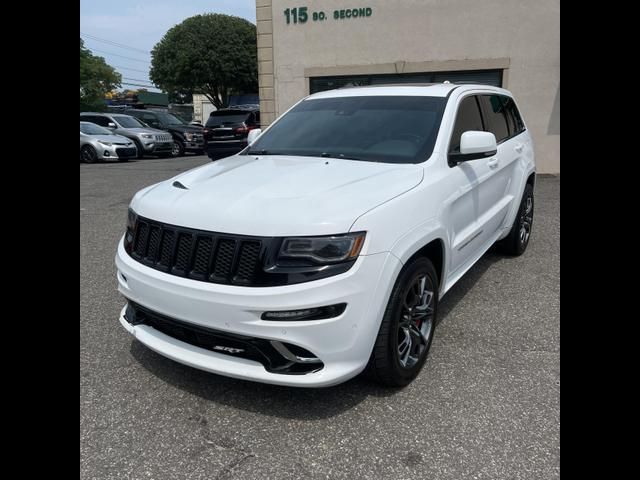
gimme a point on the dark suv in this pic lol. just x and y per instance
(226, 130)
(186, 138)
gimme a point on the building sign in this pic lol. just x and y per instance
(302, 15)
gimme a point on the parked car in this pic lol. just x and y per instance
(149, 141)
(186, 138)
(98, 143)
(323, 250)
(226, 130)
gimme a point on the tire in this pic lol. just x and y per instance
(516, 242)
(140, 154)
(386, 364)
(177, 149)
(88, 154)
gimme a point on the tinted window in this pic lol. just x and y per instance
(514, 119)
(495, 115)
(98, 120)
(467, 118)
(228, 117)
(390, 129)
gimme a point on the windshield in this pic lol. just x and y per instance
(168, 119)
(127, 121)
(227, 118)
(390, 129)
(92, 129)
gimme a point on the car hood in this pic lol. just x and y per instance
(275, 195)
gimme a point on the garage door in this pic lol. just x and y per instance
(485, 77)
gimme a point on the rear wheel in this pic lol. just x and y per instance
(88, 154)
(516, 242)
(407, 328)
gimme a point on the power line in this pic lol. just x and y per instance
(111, 42)
(132, 69)
(139, 80)
(139, 85)
(116, 55)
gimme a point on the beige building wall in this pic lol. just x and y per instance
(403, 36)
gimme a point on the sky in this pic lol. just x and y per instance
(137, 25)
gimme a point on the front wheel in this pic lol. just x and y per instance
(407, 328)
(177, 150)
(88, 154)
(516, 242)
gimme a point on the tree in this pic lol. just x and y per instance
(212, 54)
(97, 78)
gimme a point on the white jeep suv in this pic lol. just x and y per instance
(322, 249)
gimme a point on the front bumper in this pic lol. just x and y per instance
(116, 152)
(342, 343)
(157, 147)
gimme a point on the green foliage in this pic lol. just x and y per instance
(97, 78)
(212, 54)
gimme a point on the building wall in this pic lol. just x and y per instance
(403, 36)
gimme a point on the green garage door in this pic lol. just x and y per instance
(485, 77)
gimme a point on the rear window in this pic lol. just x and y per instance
(227, 117)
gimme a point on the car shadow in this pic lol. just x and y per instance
(272, 400)
(288, 402)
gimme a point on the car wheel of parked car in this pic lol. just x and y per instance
(140, 149)
(177, 150)
(88, 154)
(516, 242)
(406, 332)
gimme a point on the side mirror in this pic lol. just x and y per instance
(111, 125)
(474, 145)
(253, 135)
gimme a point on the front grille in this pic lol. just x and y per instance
(163, 137)
(197, 254)
(126, 152)
(251, 348)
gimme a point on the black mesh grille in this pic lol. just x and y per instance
(197, 254)
(248, 259)
(184, 252)
(224, 258)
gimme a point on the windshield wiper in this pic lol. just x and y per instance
(338, 155)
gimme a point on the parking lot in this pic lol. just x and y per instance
(485, 406)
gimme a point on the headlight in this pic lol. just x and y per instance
(108, 144)
(188, 136)
(132, 218)
(323, 250)
(147, 135)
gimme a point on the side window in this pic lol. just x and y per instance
(467, 118)
(495, 114)
(102, 121)
(513, 116)
(257, 115)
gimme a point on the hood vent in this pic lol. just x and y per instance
(177, 184)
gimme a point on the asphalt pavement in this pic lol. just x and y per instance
(485, 406)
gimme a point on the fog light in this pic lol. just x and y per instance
(106, 153)
(315, 313)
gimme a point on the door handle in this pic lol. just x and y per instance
(519, 147)
(493, 163)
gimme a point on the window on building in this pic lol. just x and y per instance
(484, 77)
(467, 118)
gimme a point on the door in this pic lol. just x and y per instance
(498, 189)
(468, 205)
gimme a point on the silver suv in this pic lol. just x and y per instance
(149, 141)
